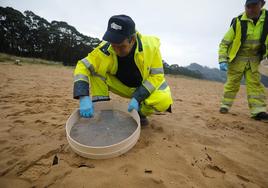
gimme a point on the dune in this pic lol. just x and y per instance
(193, 147)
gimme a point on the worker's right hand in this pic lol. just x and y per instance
(86, 107)
(223, 66)
(133, 105)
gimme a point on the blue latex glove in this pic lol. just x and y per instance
(223, 66)
(86, 107)
(133, 104)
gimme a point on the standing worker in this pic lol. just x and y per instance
(128, 64)
(240, 53)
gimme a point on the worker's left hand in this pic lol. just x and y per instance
(223, 66)
(133, 104)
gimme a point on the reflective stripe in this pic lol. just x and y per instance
(223, 56)
(256, 97)
(257, 42)
(255, 105)
(156, 71)
(149, 86)
(225, 42)
(254, 58)
(101, 77)
(91, 69)
(163, 86)
(100, 98)
(88, 65)
(229, 96)
(80, 77)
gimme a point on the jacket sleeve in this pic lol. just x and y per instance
(265, 56)
(154, 80)
(84, 69)
(81, 80)
(226, 44)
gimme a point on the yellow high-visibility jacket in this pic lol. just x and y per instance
(231, 42)
(103, 61)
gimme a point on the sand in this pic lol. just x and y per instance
(195, 146)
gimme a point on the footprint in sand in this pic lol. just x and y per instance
(126, 168)
(213, 171)
(19, 121)
(144, 141)
(155, 125)
(243, 178)
(41, 122)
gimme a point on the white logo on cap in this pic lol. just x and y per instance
(115, 26)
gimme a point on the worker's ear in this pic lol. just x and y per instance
(132, 39)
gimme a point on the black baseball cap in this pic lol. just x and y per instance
(248, 2)
(119, 28)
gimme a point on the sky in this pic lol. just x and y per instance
(190, 31)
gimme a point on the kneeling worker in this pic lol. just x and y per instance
(128, 64)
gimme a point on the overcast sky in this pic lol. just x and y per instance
(190, 31)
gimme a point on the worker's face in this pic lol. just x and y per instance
(124, 48)
(254, 10)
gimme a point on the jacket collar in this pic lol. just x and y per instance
(140, 47)
(262, 17)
